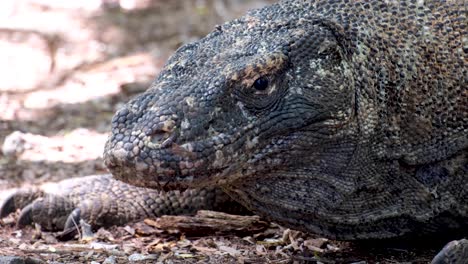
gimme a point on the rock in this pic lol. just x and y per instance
(19, 260)
(110, 260)
(140, 257)
(14, 144)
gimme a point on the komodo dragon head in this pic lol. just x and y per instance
(255, 103)
(274, 108)
(248, 99)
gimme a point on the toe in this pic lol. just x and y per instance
(73, 220)
(8, 206)
(26, 217)
(50, 212)
(18, 200)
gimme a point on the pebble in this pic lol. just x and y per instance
(141, 257)
(19, 260)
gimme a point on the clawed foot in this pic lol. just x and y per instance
(85, 198)
(102, 201)
(52, 212)
(19, 200)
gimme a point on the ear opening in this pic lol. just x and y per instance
(337, 30)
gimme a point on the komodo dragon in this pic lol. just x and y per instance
(343, 118)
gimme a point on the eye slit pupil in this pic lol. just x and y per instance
(261, 84)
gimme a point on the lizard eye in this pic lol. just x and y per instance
(261, 84)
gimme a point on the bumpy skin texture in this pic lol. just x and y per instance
(453, 252)
(346, 119)
(102, 201)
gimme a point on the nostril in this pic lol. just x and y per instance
(163, 134)
(168, 126)
(159, 136)
(162, 139)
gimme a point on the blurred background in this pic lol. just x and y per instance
(66, 66)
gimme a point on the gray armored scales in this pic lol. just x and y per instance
(346, 119)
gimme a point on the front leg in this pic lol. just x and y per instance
(101, 200)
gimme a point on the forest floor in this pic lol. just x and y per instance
(66, 68)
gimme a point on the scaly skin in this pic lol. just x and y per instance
(347, 119)
(102, 201)
(359, 132)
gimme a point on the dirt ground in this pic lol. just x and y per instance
(66, 67)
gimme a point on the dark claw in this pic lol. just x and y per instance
(25, 217)
(71, 226)
(67, 234)
(73, 220)
(18, 200)
(8, 207)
